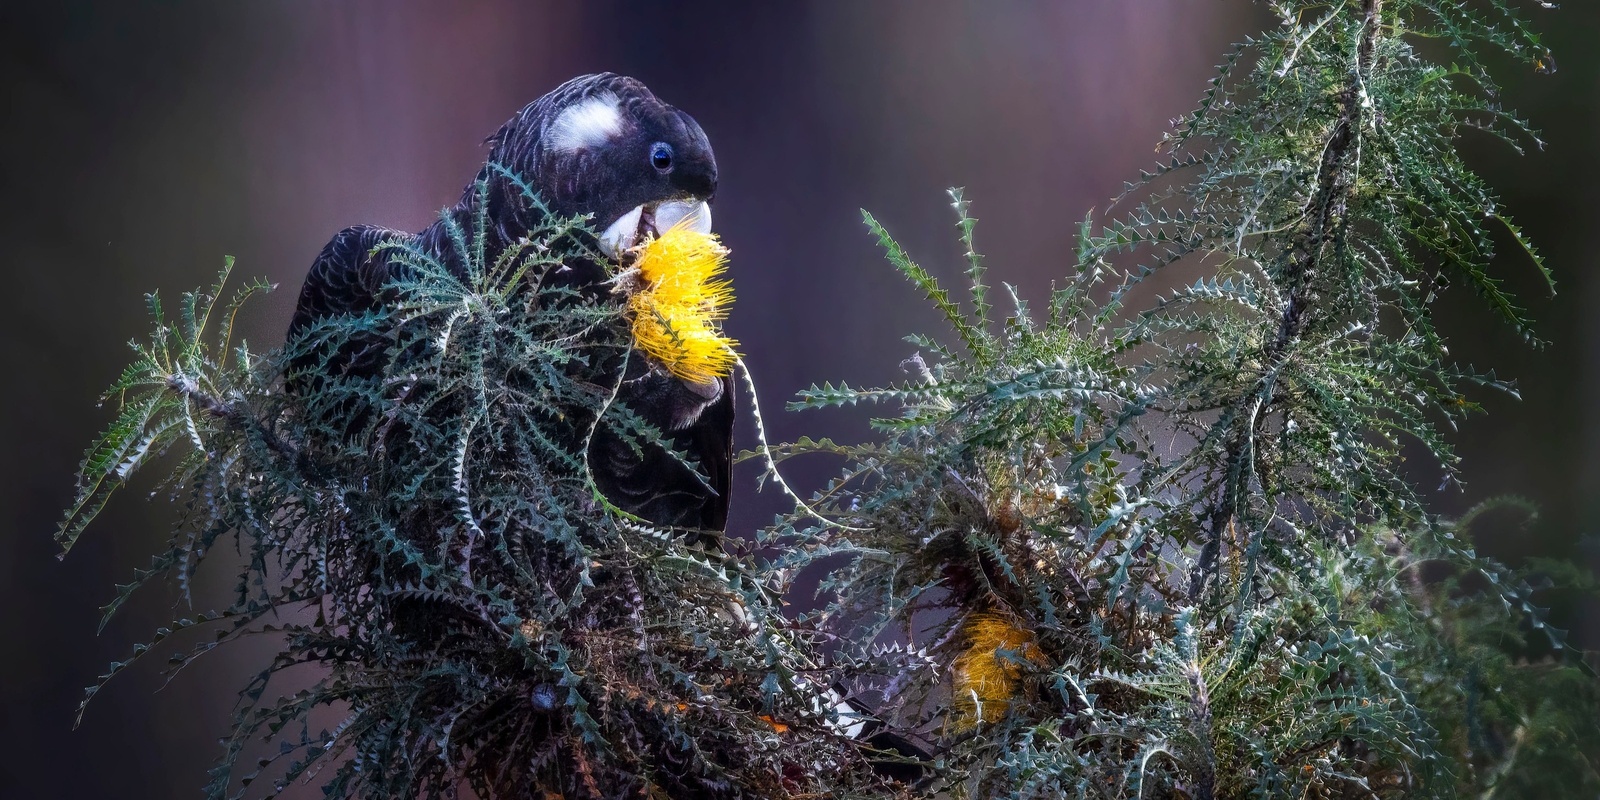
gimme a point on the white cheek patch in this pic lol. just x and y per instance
(590, 123)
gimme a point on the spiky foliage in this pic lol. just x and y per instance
(1184, 509)
(1148, 542)
(428, 545)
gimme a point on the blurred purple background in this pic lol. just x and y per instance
(143, 141)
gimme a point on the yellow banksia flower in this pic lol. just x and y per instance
(986, 682)
(680, 303)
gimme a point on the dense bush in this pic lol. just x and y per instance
(1151, 539)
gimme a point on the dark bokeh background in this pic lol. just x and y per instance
(142, 141)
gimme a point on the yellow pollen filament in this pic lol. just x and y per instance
(676, 313)
(986, 681)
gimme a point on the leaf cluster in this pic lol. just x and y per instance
(1154, 538)
(1183, 484)
(458, 606)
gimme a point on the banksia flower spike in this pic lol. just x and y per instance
(679, 301)
(988, 672)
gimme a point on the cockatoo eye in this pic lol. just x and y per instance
(661, 156)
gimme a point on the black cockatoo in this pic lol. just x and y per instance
(605, 146)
